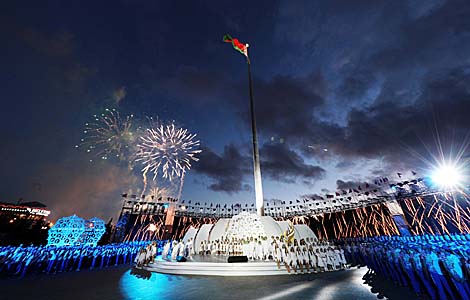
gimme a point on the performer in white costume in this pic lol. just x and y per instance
(166, 250)
(330, 259)
(246, 248)
(286, 258)
(153, 248)
(293, 258)
(342, 259)
(320, 260)
(189, 248)
(180, 248)
(312, 258)
(174, 251)
(300, 259)
(305, 258)
(277, 255)
(201, 248)
(259, 251)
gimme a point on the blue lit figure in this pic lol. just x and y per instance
(95, 256)
(75, 256)
(44, 261)
(68, 255)
(118, 252)
(383, 266)
(18, 258)
(108, 256)
(104, 257)
(389, 261)
(135, 250)
(27, 261)
(62, 258)
(399, 267)
(408, 267)
(81, 254)
(435, 271)
(126, 254)
(454, 268)
(52, 259)
(58, 260)
(420, 271)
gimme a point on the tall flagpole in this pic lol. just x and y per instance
(256, 162)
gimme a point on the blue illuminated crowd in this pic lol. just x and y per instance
(19, 261)
(436, 265)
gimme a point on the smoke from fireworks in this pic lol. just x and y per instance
(108, 136)
(168, 151)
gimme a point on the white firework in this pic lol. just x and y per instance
(108, 135)
(167, 150)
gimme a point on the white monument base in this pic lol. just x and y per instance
(215, 268)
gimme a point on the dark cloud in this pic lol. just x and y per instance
(355, 86)
(312, 196)
(396, 131)
(280, 163)
(353, 184)
(345, 164)
(284, 105)
(381, 115)
(202, 86)
(226, 170)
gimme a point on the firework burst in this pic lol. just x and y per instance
(161, 192)
(168, 151)
(108, 136)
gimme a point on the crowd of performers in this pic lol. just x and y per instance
(305, 255)
(19, 261)
(436, 265)
(147, 254)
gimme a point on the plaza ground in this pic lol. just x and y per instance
(118, 283)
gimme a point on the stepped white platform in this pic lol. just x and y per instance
(244, 226)
(215, 266)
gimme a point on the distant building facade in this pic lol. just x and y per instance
(25, 223)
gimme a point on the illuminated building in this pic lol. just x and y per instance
(23, 223)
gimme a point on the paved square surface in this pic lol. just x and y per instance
(118, 283)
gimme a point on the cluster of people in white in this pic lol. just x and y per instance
(146, 255)
(178, 248)
(244, 226)
(245, 235)
(253, 248)
(306, 255)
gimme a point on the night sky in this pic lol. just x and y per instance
(345, 91)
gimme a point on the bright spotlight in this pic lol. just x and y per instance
(447, 176)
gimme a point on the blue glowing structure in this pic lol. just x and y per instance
(66, 231)
(94, 230)
(74, 231)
